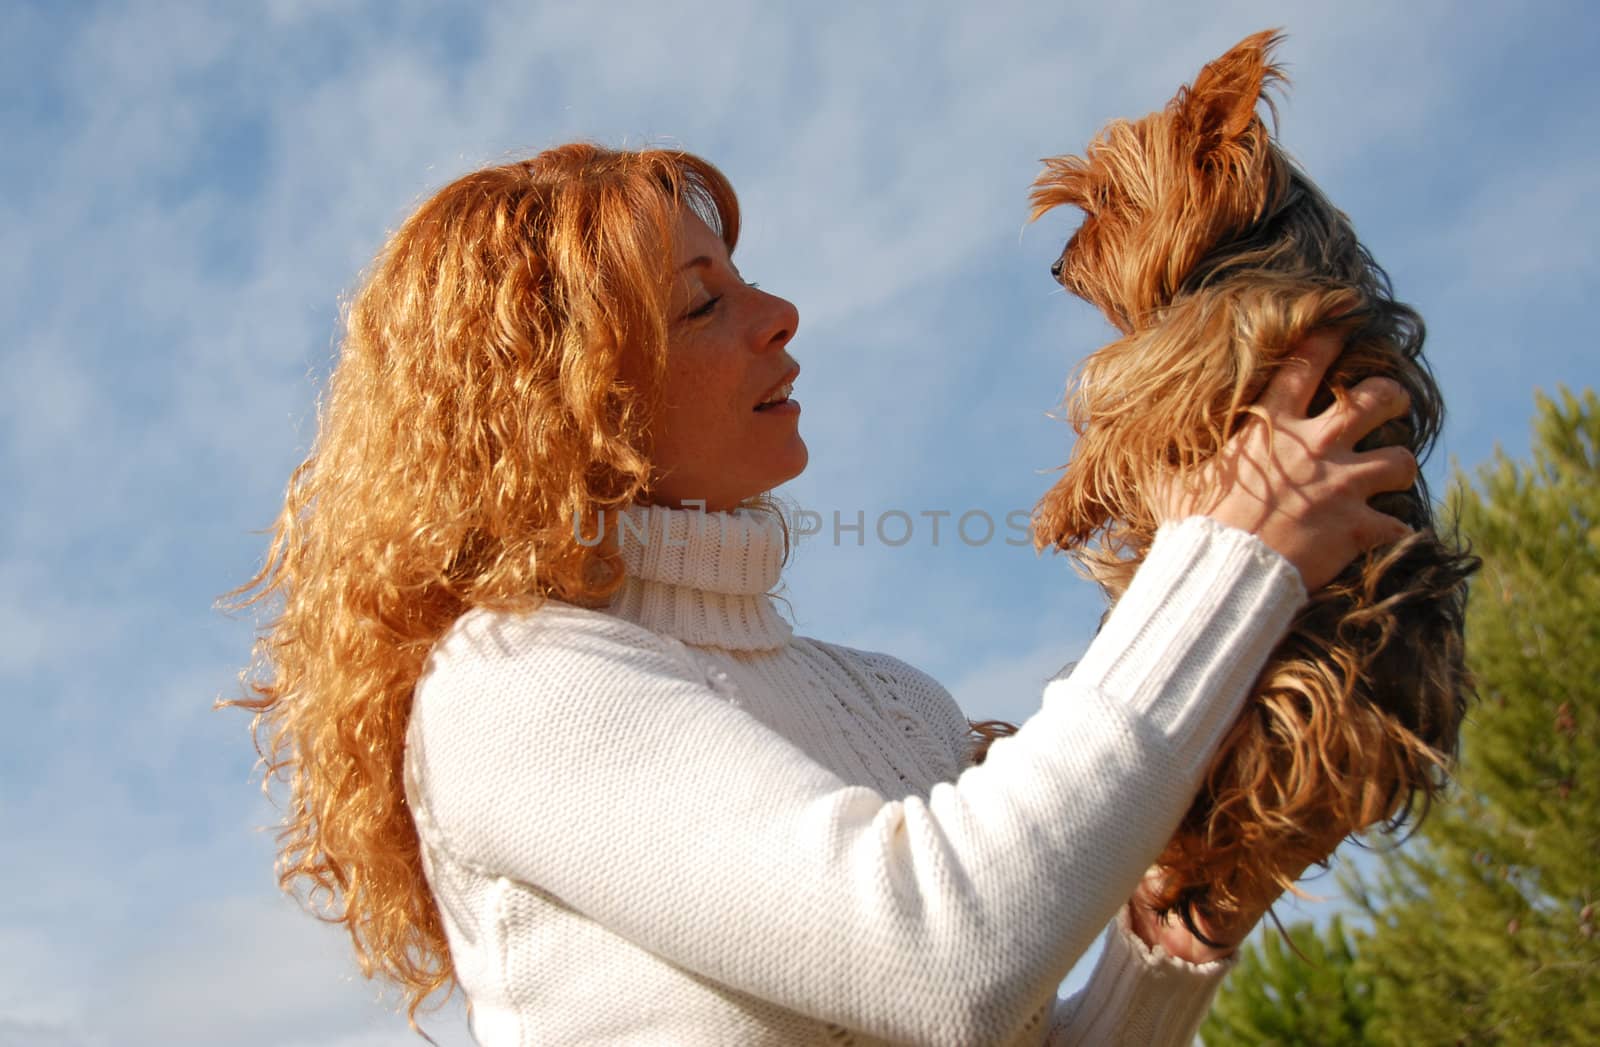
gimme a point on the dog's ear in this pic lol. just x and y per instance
(1220, 106)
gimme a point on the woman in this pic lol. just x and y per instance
(548, 739)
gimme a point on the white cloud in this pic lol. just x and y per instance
(248, 971)
(14, 1033)
(44, 993)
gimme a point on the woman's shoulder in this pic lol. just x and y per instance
(916, 691)
(487, 631)
(556, 647)
(888, 668)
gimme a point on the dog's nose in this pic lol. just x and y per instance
(1055, 270)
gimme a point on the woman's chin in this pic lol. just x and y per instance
(798, 462)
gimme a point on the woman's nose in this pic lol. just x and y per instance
(782, 321)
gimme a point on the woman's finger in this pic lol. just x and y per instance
(1295, 381)
(1370, 404)
(1385, 469)
(1376, 528)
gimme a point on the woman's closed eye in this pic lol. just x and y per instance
(710, 304)
(703, 310)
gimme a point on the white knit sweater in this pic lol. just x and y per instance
(675, 822)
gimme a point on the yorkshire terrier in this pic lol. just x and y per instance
(1214, 255)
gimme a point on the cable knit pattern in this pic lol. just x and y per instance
(673, 821)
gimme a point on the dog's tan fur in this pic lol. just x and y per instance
(1214, 255)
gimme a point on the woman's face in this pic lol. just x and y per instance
(727, 353)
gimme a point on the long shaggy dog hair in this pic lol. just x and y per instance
(1214, 255)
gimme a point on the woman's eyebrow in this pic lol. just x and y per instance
(699, 260)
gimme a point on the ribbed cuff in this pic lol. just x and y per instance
(1139, 994)
(1181, 648)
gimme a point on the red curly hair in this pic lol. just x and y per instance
(499, 372)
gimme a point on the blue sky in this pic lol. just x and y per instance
(186, 190)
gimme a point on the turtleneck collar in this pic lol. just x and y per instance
(702, 577)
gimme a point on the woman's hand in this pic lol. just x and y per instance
(1297, 482)
(1176, 939)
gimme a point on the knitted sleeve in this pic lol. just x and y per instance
(580, 753)
(1136, 995)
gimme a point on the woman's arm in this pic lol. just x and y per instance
(1138, 995)
(583, 754)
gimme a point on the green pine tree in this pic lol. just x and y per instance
(1485, 934)
(1483, 928)
(1280, 995)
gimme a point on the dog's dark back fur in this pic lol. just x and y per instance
(1304, 236)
